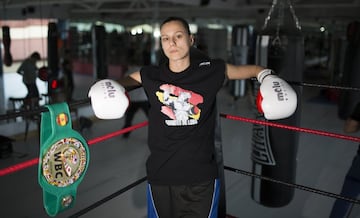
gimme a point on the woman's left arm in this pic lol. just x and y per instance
(235, 72)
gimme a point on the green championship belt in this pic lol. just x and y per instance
(64, 158)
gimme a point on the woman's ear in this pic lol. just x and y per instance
(192, 40)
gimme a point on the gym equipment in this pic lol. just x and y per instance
(279, 47)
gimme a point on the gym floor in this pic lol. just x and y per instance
(119, 162)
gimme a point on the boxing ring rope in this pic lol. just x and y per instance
(32, 162)
(349, 88)
(297, 186)
(26, 164)
(325, 86)
(108, 198)
(81, 102)
(35, 161)
(29, 163)
(293, 128)
(246, 173)
(36, 111)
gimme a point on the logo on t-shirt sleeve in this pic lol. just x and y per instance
(180, 105)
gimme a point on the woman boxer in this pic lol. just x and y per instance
(182, 170)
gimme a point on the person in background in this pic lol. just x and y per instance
(28, 69)
(351, 185)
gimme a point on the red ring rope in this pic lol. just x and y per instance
(32, 162)
(116, 133)
(311, 131)
(35, 161)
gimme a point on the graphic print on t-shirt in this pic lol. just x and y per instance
(180, 105)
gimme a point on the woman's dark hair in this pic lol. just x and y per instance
(181, 20)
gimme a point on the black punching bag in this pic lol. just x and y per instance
(7, 42)
(280, 46)
(99, 52)
(2, 85)
(53, 56)
(351, 71)
(240, 35)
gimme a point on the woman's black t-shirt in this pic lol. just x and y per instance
(182, 121)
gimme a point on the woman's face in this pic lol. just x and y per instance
(175, 40)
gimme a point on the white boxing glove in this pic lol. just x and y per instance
(276, 98)
(108, 99)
